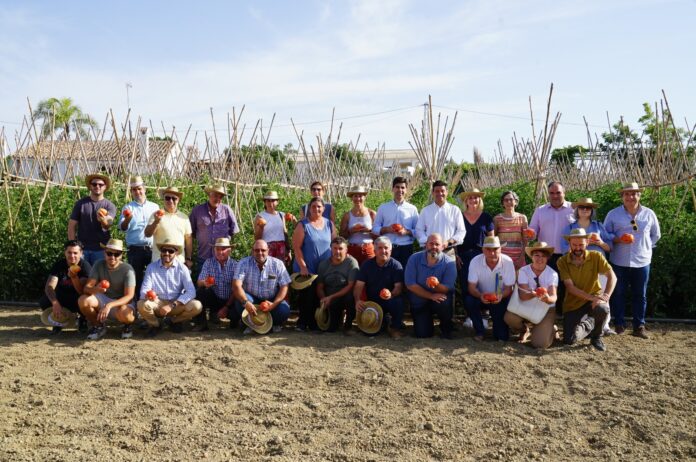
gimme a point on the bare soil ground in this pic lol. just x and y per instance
(302, 396)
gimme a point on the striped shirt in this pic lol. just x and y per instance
(172, 283)
(223, 275)
(262, 283)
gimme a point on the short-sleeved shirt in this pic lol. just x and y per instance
(417, 270)
(378, 277)
(638, 253)
(140, 215)
(485, 278)
(120, 278)
(585, 277)
(206, 228)
(172, 226)
(60, 271)
(336, 277)
(262, 283)
(223, 275)
(547, 278)
(89, 229)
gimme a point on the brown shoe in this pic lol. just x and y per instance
(641, 332)
(395, 333)
(619, 330)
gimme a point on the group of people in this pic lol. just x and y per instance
(364, 270)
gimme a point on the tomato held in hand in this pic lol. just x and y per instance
(490, 297)
(102, 212)
(210, 280)
(385, 294)
(432, 282)
(104, 284)
(127, 213)
(159, 213)
(627, 238)
(541, 291)
(396, 227)
(265, 305)
(151, 295)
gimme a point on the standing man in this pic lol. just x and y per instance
(490, 283)
(335, 281)
(430, 277)
(214, 287)
(134, 218)
(263, 280)
(109, 293)
(442, 218)
(168, 291)
(210, 221)
(91, 218)
(382, 278)
(171, 225)
(548, 222)
(397, 220)
(636, 232)
(64, 284)
(586, 306)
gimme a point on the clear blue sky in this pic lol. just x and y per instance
(378, 60)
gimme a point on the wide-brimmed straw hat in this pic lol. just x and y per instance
(630, 187)
(171, 190)
(66, 318)
(323, 317)
(113, 244)
(271, 196)
(356, 190)
(223, 242)
(473, 192)
(136, 181)
(104, 178)
(170, 243)
(577, 232)
(538, 246)
(584, 202)
(216, 188)
(299, 282)
(492, 242)
(370, 319)
(260, 323)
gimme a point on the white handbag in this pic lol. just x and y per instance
(532, 310)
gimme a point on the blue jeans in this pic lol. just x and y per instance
(638, 280)
(500, 328)
(280, 313)
(93, 256)
(423, 311)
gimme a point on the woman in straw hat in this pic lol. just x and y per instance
(356, 226)
(478, 224)
(270, 226)
(585, 213)
(311, 243)
(510, 227)
(536, 281)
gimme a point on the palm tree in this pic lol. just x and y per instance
(60, 116)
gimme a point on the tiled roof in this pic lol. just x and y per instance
(97, 150)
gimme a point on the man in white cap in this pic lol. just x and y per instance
(109, 293)
(212, 220)
(214, 287)
(91, 218)
(168, 291)
(134, 218)
(171, 225)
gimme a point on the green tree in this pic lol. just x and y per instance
(345, 155)
(567, 154)
(61, 116)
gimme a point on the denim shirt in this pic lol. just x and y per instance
(646, 233)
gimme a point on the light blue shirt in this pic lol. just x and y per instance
(173, 283)
(135, 233)
(404, 214)
(417, 271)
(595, 227)
(262, 283)
(639, 253)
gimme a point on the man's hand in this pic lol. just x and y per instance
(359, 306)
(103, 313)
(164, 310)
(598, 299)
(438, 297)
(57, 308)
(250, 307)
(222, 312)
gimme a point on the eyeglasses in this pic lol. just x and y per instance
(167, 250)
(98, 185)
(171, 199)
(634, 225)
(113, 254)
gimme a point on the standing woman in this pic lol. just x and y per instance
(478, 224)
(269, 225)
(317, 190)
(311, 242)
(586, 217)
(510, 227)
(356, 226)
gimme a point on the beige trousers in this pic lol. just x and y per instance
(148, 310)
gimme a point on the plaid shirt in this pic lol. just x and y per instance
(173, 283)
(223, 275)
(263, 283)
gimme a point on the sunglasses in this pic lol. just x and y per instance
(584, 207)
(98, 185)
(113, 254)
(536, 281)
(634, 225)
(167, 250)
(171, 199)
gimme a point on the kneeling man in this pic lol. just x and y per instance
(335, 285)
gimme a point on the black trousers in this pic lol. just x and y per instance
(139, 257)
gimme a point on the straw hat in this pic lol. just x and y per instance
(577, 232)
(260, 323)
(136, 181)
(216, 188)
(66, 318)
(271, 196)
(538, 246)
(585, 202)
(223, 242)
(171, 190)
(492, 242)
(113, 244)
(104, 178)
(170, 243)
(299, 282)
(356, 190)
(370, 319)
(473, 192)
(630, 187)
(323, 317)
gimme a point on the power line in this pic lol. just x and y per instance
(510, 116)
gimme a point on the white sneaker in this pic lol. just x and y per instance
(97, 332)
(248, 331)
(468, 323)
(127, 331)
(277, 329)
(609, 331)
(485, 323)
